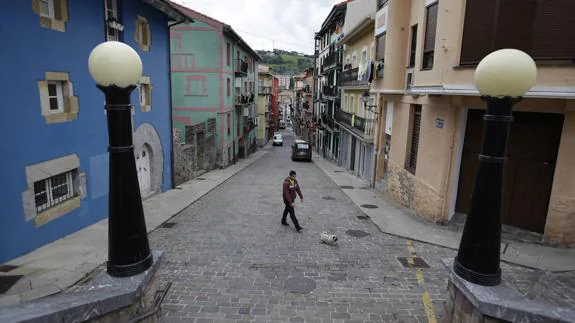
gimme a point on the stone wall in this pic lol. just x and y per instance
(184, 159)
(198, 154)
(412, 192)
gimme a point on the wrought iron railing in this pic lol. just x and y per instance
(241, 66)
(350, 77)
(330, 90)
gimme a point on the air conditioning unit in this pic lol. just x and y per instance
(409, 80)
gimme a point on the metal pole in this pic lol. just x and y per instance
(128, 248)
(478, 257)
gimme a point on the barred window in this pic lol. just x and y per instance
(55, 190)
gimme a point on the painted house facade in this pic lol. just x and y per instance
(264, 103)
(214, 75)
(433, 113)
(356, 121)
(55, 131)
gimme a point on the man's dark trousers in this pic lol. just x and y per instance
(289, 209)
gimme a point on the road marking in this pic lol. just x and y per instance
(425, 297)
(428, 306)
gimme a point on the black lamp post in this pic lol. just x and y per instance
(502, 78)
(117, 68)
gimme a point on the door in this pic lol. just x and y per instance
(143, 168)
(352, 154)
(531, 155)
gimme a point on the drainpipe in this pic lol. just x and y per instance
(376, 144)
(172, 154)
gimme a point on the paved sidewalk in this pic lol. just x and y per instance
(59, 265)
(393, 218)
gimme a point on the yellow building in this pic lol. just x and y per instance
(265, 95)
(357, 122)
(433, 114)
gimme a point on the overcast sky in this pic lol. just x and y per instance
(285, 24)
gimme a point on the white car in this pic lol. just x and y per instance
(278, 140)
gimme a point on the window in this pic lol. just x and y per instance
(544, 29)
(411, 162)
(228, 54)
(413, 46)
(56, 96)
(53, 14)
(57, 101)
(364, 56)
(345, 103)
(47, 8)
(143, 34)
(54, 190)
(113, 25)
(354, 60)
(145, 94)
(371, 51)
(229, 124)
(380, 47)
(381, 3)
(430, 30)
(228, 90)
(352, 104)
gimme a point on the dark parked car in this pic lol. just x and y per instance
(301, 150)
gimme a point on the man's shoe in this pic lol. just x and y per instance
(285, 223)
(299, 230)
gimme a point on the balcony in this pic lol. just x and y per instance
(328, 121)
(331, 91)
(349, 77)
(331, 61)
(243, 99)
(264, 90)
(241, 67)
(362, 127)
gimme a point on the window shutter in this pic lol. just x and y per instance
(380, 47)
(415, 131)
(477, 30)
(430, 27)
(555, 30)
(515, 25)
(63, 9)
(138, 32)
(58, 9)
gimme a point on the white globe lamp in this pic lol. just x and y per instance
(115, 63)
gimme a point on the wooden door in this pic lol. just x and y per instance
(531, 156)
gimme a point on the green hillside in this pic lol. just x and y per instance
(287, 63)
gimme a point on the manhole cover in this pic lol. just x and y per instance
(201, 179)
(7, 268)
(347, 187)
(369, 206)
(300, 285)
(356, 233)
(329, 198)
(8, 281)
(413, 262)
(364, 188)
(168, 225)
(338, 171)
(363, 217)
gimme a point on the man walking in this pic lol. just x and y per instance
(290, 188)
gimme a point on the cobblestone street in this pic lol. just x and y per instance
(228, 256)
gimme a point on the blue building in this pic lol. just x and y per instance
(54, 134)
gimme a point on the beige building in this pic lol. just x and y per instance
(433, 114)
(264, 103)
(356, 121)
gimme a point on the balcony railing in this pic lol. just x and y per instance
(349, 77)
(333, 60)
(243, 99)
(328, 121)
(363, 127)
(330, 90)
(241, 67)
(265, 90)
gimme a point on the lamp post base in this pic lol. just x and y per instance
(475, 277)
(131, 269)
